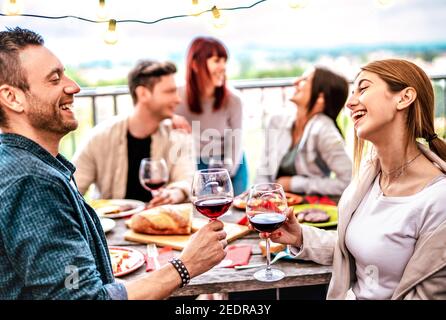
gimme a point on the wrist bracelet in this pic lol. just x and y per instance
(182, 270)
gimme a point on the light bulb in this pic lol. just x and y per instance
(196, 7)
(13, 8)
(102, 12)
(218, 20)
(298, 4)
(111, 37)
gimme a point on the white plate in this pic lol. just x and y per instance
(107, 224)
(132, 262)
(103, 205)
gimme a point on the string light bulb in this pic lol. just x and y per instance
(298, 4)
(196, 7)
(13, 8)
(102, 12)
(111, 37)
(218, 20)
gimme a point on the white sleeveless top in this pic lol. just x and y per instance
(383, 232)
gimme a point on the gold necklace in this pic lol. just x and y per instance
(397, 172)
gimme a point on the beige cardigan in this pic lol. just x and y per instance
(425, 273)
(103, 158)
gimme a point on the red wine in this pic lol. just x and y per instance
(213, 207)
(267, 222)
(154, 184)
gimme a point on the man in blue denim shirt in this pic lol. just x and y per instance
(52, 245)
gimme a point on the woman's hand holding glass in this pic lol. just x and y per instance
(289, 233)
(266, 211)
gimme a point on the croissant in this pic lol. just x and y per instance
(166, 219)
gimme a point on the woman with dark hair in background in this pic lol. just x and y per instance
(305, 152)
(214, 110)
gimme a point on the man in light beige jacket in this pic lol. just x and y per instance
(106, 158)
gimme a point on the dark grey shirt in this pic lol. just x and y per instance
(52, 245)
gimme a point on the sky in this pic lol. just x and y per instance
(271, 25)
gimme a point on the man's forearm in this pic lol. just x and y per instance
(157, 285)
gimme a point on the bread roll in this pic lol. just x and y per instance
(273, 248)
(166, 219)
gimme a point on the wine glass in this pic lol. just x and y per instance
(153, 174)
(266, 211)
(212, 192)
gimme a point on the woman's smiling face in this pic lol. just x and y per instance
(373, 106)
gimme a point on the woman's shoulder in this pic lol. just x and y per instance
(437, 189)
(431, 204)
(322, 121)
(234, 97)
(323, 126)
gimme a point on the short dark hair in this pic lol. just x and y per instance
(12, 41)
(147, 73)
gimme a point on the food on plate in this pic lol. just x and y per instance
(293, 199)
(118, 260)
(274, 247)
(240, 200)
(112, 209)
(313, 215)
(108, 207)
(166, 219)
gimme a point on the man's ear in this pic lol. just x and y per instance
(12, 98)
(407, 96)
(142, 93)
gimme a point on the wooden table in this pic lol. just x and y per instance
(226, 280)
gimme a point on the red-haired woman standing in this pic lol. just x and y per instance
(214, 110)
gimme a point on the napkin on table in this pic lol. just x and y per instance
(320, 200)
(236, 255)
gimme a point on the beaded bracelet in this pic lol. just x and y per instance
(182, 270)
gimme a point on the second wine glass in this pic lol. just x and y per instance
(212, 192)
(266, 211)
(153, 175)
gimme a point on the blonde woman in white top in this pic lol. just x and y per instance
(390, 241)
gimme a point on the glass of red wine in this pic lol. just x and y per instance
(212, 193)
(266, 211)
(153, 175)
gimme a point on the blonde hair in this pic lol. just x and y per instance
(400, 74)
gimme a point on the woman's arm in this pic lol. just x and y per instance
(307, 243)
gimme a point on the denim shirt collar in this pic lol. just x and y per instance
(60, 163)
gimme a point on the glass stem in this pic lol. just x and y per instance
(268, 258)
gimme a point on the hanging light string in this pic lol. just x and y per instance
(135, 21)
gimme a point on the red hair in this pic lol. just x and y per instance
(200, 50)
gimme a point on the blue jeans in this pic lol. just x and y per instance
(239, 180)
